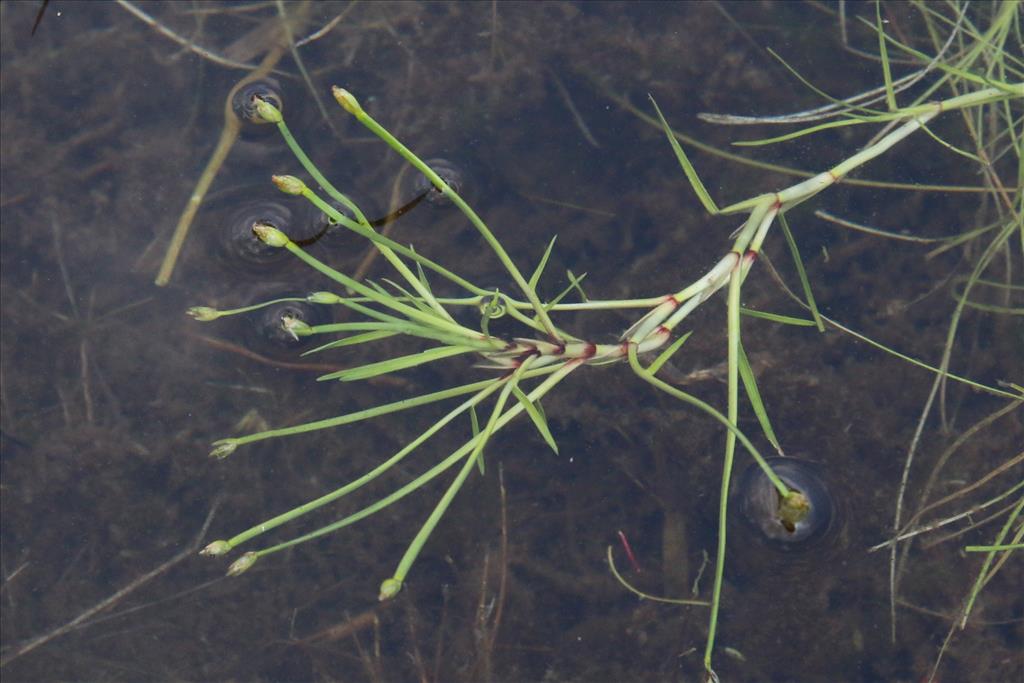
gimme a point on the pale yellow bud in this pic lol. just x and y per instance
(289, 184)
(216, 549)
(347, 101)
(269, 235)
(242, 564)
(204, 313)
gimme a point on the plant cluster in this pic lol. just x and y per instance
(969, 62)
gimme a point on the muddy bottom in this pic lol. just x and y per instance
(111, 395)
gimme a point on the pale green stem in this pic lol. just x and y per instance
(322, 181)
(730, 448)
(413, 551)
(538, 392)
(397, 406)
(644, 374)
(410, 312)
(283, 518)
(449, 193)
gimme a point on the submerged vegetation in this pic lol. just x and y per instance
(969, 73)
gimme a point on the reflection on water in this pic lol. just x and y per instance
(111, 395)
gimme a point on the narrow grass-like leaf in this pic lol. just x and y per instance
(993, 548)
(474, 425)
(848, 109)
(778, 318)
(573, 285)
(535, 278)
(575, 281)
(537, 418)
(385, 367)
(684, 161)
(810, 130)
(647, 376)
(801, 273)
(750, 384)
(331, 328)
(883, 53)
(354, 340)
(668, 353)
(868, 340)
(983, 575)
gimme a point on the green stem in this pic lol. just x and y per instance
(358, 416)
(283, 518)
(730, 447)
(450, 194)
(410, 312)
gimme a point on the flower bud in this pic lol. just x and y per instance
(295, 327)
(389, 589)
(289, 184)
(223, 448)
(347, 100)
(323, 298)
(243, 563)
(216, 549)
(266, 111)
(204, 313)
(269, 235)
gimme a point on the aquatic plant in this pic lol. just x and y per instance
(526, 368)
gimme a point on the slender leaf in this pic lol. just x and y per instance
(575, 281)
(750, 383)
(667, 353)
(537, 417)
(385, 367)
(535, 278)
(804, 282)
(684, 161)
(353, 340)
(777, 318)
(883, 53)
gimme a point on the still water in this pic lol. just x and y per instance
(111, 395)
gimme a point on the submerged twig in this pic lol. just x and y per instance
(163, 30)
(117, 596)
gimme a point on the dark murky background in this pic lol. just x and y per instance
(111, 395)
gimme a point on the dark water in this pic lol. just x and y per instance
(111, 395)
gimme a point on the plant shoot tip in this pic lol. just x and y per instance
(267, 112)
(295, 327)
(323, 298)
(269, 235)
(216, 549)
(224, 448)
(389, 588)
(347, 100)
(242, 564)
(288, 184)
(203, 313)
